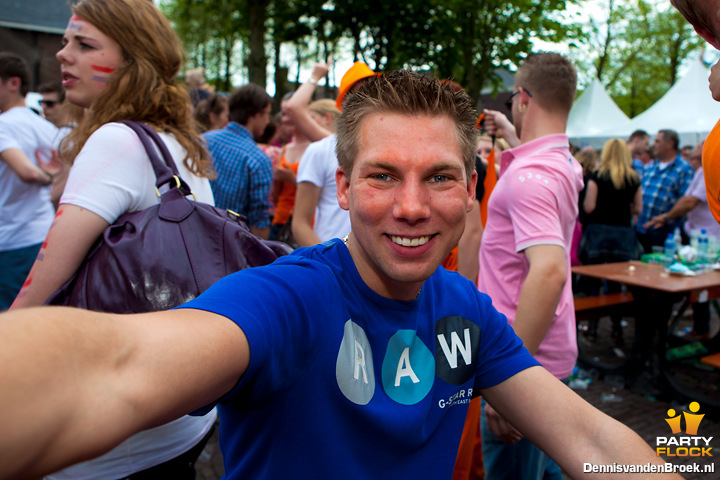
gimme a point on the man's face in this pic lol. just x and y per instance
(408, 196)
(640, 143)
(50, 104)
(259, 121)
(484, 148)
(660, 145)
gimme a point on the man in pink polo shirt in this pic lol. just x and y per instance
(524, 256)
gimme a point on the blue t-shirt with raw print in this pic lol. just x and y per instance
(345, 383)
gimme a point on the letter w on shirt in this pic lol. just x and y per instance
(457, 344)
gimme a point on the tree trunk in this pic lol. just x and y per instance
(257, 61)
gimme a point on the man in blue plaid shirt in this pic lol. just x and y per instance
(664, 181)
(244, 171)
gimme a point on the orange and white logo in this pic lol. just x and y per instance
(690, 444)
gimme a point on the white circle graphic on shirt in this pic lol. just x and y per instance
(354, 367)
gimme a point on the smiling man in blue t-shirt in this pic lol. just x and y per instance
(355, 359)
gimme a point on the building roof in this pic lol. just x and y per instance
(48, 16)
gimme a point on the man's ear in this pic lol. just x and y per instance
(14, 84)
(343, 188)
(471, 185)
(708, 36)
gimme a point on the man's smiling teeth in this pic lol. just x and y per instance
(409, 242)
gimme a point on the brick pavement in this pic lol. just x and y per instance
(646, 416)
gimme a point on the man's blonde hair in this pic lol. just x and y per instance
(405, 93)
(551, 80)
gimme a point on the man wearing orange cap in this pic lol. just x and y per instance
(316, 196)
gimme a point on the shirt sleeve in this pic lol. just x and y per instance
(534, 212)
(697, 187)
(309, 169)
(109, 174)
(282, 335)
(7, 140)
(261, 174)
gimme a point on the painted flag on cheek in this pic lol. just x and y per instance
(101, 74)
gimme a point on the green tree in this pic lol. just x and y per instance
(463, 39)
(210, 31)
(636, 50)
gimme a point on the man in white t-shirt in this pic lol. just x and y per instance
(25, 209)
(317, 216)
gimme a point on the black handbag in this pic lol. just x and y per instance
(163, 256)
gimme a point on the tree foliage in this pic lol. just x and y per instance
(209, 32)
(636, 49)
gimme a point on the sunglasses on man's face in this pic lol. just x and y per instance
(48, 103)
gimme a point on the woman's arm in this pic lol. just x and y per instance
(307, 197)
(591, 193)
(71, 235)
(637, 204)
(296, 106)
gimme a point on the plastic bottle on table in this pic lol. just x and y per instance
(703, 247)
(694, 234)
(669, 250)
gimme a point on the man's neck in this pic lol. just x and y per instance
(12, 103)
(540, 124)
(668, 157)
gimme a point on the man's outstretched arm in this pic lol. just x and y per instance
(75, 383)
(570, 430)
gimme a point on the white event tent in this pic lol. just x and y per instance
(593, 113)
(688, 108)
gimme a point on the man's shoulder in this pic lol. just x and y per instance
(24, 123)
(24, 117)
(242, 145)
(323, 147)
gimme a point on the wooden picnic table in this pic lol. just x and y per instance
(655, 292)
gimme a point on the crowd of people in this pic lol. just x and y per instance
(358, 353)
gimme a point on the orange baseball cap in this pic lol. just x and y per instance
(358, 71)
(711, 170)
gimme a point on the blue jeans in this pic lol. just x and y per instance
(521, 461)
(14, 268)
